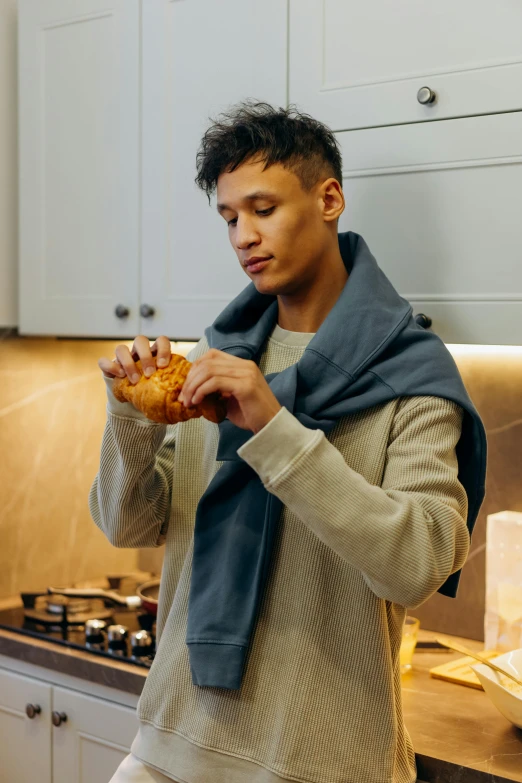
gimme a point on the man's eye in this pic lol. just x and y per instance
(263, 212)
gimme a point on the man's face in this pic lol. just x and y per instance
(270, 216)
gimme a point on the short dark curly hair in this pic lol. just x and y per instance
(254, 129)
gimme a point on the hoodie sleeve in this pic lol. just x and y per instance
(130, 498)
(405, 536)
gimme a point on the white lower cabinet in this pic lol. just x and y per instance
(71, 738)
(93, 740)
(25, 743)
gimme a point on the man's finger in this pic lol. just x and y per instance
(110, 368)
(162, 350)
(219, 366)
(123, 355)
(215, 384)
(143, 349)
(196, 376)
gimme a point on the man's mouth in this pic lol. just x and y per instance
(257, 263)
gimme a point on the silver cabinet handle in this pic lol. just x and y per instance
(120, 311)
(426, 96)
(146, 311)
(32, 710)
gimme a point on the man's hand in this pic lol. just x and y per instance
(251, 403)
(124, 362)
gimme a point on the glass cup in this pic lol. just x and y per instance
(410, 632)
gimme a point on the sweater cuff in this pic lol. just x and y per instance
(124, 409)
(275, 447)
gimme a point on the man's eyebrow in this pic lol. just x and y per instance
(258, 195)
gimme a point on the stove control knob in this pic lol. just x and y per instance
(94, 631)
(142, 643)
(117, 636)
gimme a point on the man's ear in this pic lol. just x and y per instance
(333, 199)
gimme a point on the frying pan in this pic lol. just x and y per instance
(146, 596)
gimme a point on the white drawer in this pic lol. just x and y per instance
(358, 65)
(439, 205)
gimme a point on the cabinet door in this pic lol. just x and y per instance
(8, 168)
(198, 58)
(25, 744)
(93, 740)
(360, 64)
(79, 189)
(439, 205)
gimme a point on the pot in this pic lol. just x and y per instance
(146, 596)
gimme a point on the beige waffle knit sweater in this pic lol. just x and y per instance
(373, 523)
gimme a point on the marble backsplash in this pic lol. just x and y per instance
(52, 414)
(493, 379)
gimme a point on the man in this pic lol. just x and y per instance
(340, 491)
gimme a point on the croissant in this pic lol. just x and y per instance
(157, 397)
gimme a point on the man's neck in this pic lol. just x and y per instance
(306, 310)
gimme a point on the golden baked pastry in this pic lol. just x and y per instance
(157, 397)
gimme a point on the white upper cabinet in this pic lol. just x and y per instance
(8, 167)
(199, 58)
(114, 100)
(360, 64)
(439, 205)
(79, 166)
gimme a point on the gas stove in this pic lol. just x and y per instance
(88, 624)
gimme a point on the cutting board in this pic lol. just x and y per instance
(459, 670)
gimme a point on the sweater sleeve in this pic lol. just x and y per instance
(130, 498)
(405, 536)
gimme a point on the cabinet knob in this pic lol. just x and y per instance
(121, 311)
(426, 96)
(423, 320)
(58, 718)
(146, 311)
(32, 710)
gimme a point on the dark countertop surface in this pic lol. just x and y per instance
(458, 734)
(76, 663)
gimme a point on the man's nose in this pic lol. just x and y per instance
(245, 234)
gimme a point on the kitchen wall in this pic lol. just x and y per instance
(8, 163)
(52, 414)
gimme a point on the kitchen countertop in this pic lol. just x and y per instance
(458, 734)
(76, 663)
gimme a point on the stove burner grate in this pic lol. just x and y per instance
(59, 610)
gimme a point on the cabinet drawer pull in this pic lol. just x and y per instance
(120, 311)
(32, 710)
(426, 96)
(146, 311)
(58, 718)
